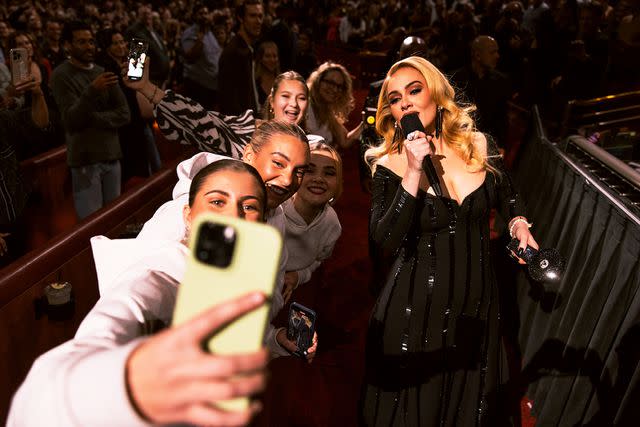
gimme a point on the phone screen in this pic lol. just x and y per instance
(302, 321)
(137, 56)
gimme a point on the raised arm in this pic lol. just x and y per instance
(183, 119)
(155, 380)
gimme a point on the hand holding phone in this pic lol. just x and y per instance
(104, 80)
(229, 257)
(301, 328)
(19, 65)
(169, 377)
(136, 59)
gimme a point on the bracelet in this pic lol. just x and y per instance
(516, 220)
(152, 97)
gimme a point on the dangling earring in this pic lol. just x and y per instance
(396, 135)
(438, 121)
(187, 233)
(331, 200)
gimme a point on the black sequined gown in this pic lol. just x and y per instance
(434, 356)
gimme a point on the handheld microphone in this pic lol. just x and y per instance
(411, 123)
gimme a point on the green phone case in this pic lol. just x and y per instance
(254, 266)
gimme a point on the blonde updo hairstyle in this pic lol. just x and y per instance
(458, 127)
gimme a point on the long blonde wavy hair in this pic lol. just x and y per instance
(336, 114)
(457, 125)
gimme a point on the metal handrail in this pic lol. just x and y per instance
(611, 111)
(593, 101)
(596, 183)
(612, 162)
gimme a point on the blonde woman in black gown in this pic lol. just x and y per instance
(434, 354)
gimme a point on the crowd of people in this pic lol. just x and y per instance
(240, 82)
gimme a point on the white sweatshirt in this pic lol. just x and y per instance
(309, 244)
(168, 224)
(82, 382)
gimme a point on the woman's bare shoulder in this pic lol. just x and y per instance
(393, 162)
(480, 143)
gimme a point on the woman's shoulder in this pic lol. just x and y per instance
(392, 164)
(480, 143)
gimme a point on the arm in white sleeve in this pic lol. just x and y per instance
(82, 382)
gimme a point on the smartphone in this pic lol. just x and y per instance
(229, 257)
(301, 326)
(137, 55)
(19, 67)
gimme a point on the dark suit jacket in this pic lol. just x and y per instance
(159, 71)
(490, 94)
(235, 82)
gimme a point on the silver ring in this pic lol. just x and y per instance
(410, 137)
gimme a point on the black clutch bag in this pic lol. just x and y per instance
(544, 265)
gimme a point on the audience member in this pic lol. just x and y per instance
(306, 60)
(280, 153)
(20, 39)
(13, 193)
(267, 68)
(515, 43)
(93, 108)
(143, 29)
(120, 350)
(236, 76)
(312, 226)
(623, 29)
(4, 37)
(281, 33)
(220, 28)
(485, 87)
(139, 152)
(352, 27)
(52, 49)
(201, 54)
(182, 119)
(331, 101)
(34, 27)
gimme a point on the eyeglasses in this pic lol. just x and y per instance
(335, 85)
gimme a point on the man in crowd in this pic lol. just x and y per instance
(52, 48)
(93, 107)
(238, 91)
(14, 125)
(201, 54)
(486, 87)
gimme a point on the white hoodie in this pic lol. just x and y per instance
(82, 382)
(168, 224)
(309, 244)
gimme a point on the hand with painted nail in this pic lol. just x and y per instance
(171, 379)
(524, 236)
(417, 147)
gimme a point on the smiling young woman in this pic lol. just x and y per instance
(151, 373)
(183, 119)
(331, 99)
